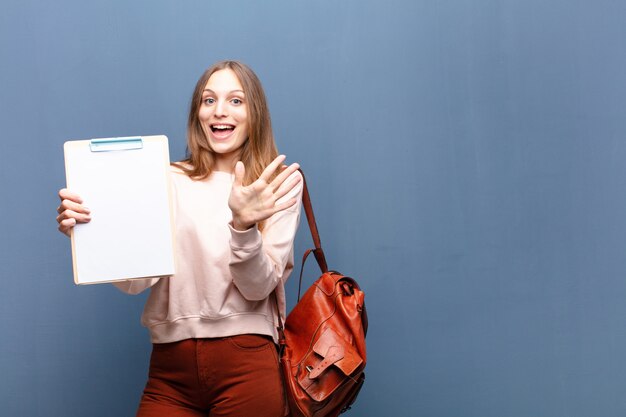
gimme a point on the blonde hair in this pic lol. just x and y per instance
(256, 152)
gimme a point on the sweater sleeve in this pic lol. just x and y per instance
(259, 261)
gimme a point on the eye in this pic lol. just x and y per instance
(208, 100)
(236, 101)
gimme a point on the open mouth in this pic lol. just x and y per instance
(222, 129)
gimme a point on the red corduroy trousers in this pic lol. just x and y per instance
(234, 376)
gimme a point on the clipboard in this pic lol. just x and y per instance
(125, 183)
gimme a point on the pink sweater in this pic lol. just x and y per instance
(223, 276)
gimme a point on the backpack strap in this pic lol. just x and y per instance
(310, 217)
(318, 252)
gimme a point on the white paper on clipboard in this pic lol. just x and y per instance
(125, 184)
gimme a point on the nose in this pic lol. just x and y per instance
(221, 109)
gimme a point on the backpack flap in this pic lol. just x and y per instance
(330, 363)
(330, 345)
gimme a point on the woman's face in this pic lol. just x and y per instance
(223, 114)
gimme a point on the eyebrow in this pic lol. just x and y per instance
(230, 92)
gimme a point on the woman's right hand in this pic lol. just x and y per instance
(71, 211)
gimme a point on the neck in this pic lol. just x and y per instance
(226, 162)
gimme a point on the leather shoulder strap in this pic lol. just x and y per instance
(318, 252)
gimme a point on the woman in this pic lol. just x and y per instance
(236, 208)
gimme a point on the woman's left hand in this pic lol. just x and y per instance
(256, 202)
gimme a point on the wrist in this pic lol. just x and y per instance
(241, 226)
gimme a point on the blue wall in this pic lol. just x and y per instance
(466, 160)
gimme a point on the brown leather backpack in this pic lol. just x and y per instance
(322, 344)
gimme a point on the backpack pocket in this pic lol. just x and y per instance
(328, 365)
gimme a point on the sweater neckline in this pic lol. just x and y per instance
(222, 175)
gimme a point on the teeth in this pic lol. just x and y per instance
(222, 127)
